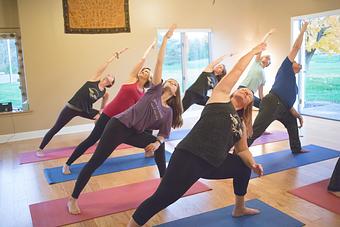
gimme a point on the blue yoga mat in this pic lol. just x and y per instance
(178, 135)
(111, 165)
(283, 160)
(269, 216)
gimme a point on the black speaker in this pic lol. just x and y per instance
(6, 107)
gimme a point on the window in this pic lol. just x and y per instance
(13, 96)
(319, 79)
(187, 54)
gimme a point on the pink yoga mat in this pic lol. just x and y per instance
(100, 203)
(51, 154)
(317, 193)
(271, 137)
(30, 157)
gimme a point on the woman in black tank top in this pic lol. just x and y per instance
(81, 102)
(204, 153)
(211, 75)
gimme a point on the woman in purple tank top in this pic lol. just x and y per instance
(159, 109)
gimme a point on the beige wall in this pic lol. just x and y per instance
(8, 14)
(57, 63)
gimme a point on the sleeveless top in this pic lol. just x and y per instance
(205, 82)
(215, 133)
(127, 96)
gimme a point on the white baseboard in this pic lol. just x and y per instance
(71, 129)
(40, 133)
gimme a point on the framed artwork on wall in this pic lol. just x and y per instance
(96, 16)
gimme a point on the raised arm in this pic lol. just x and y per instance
(103, 67)
(265, 40)
(157, 77)
(211, 66)
(223, 88)
(298, 42)
(140, 64)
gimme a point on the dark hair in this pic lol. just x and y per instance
(113, 82)
(223, 73)
(147, 83)
(175, 102)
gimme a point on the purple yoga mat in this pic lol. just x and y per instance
(271, 137)
(50, 154)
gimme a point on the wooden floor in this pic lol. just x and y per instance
(21, 185)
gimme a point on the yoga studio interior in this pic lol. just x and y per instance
(182, 113)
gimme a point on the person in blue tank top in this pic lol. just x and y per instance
(204, 153)
(278, 104)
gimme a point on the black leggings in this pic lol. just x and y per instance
(116, 133)
(334, 183)
(65, 117)
(271, 109)
(193, 98)
(183, 171)
(91, 139)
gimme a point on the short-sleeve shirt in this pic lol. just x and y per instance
(88, 94)
(255, 77)
(149, 113)
(285, 84)
(214, 134)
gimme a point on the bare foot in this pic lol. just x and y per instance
(66, 169)
(245, 211)
(337, 194)
(148, 154)
(300, 152)
(40, 153)
(72, 206)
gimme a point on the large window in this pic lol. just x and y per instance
(13, 96)
(187, 54)
(319, 80)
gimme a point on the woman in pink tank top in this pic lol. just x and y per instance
(127, 96)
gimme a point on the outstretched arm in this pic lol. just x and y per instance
(211, 66)
(261, 91)
(104, 101)
(103, 67)
(157, 77)
(140, 64)
(222, 90)
(298, 42)
(265, 40)
(242, 150)
(296, 114)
